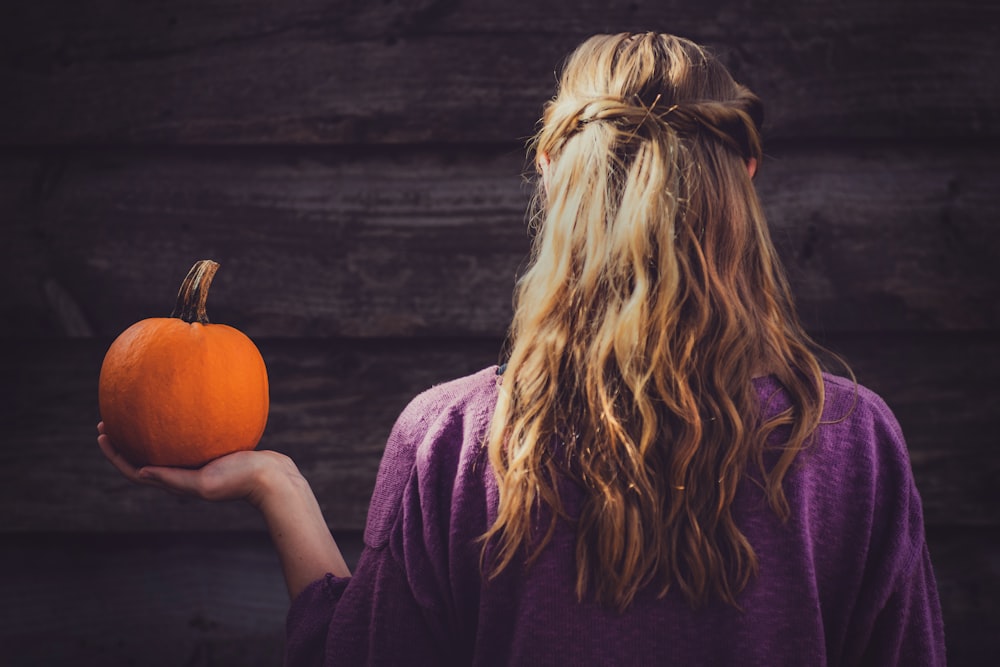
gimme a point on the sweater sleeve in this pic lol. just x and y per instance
(395, 608)
(898, 616)
(309, 618)
(329, 623)
(333, 621)
(909, 630)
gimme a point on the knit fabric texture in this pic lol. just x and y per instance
(847, 580)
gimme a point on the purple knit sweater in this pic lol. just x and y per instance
(846, 581)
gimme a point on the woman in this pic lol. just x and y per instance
(661, 473)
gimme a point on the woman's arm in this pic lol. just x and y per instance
(305, 546)
(270, 482)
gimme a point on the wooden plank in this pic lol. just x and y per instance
(429, 242)
(328, 245)
(197, 599)
(153, 599)
(334, 402)
(250, 71)
(878, 239)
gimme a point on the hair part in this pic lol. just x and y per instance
(654, 295)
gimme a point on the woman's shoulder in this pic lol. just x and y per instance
(863, 413)
(856, 468)
(848, 392)
(848, 405)
(439, 427)
(858, 446)
(470, 394)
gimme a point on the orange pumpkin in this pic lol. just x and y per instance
(179, 391)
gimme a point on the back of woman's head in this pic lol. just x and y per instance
(653, 297)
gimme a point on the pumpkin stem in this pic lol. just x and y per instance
(193, 294)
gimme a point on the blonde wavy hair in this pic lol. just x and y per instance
(653, 297)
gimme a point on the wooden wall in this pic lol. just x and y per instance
(357, 170)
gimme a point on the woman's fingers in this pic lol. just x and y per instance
(133, 474)
(115, 457)
(231, 477)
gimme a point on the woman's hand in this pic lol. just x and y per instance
(270, 482)
(246, 475)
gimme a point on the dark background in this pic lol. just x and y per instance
(356, 168)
